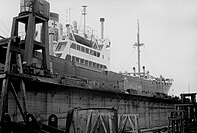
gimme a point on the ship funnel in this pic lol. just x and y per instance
(75, 26)
(102, 27)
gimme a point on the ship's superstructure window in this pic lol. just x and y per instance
(61, 46)
(78, 47)
(82, 61)
(77, 59)
(98, 65)
(85, 50)
(91, 52)
(94, 64)
(87, 62)
(98, 54)
(95, 53)
(73, 45)
(90, 63)
(82, 49)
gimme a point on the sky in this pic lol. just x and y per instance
(168, 28)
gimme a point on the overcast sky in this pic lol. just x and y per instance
(168, 28)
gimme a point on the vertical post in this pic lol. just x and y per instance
(110, 123)
(3, 100)
(8, 58)
(4, 91)
(22, 84)
(14, 32)
(29, 41)
(17, 101)
(138, 47)
(45, 42)
(51, 34)
(173, 126)
(88, 122)
(116, 120)
(84, 14)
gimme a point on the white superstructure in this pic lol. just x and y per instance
(90, 52)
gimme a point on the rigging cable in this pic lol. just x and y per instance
(128, 60)
(4, 32)
(153, 67)
(5, 26)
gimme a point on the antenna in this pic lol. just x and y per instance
(138, 45)
(84, 14)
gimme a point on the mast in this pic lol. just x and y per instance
(69, 16)
(138, 45)
(84, 14)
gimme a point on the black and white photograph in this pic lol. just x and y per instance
(98, 66)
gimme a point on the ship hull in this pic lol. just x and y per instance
(109, 80)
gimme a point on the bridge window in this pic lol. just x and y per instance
(61, 46)
(78, 47)
(98, 54)
(82, 49)
(73, 45)
(91, 52)
(95, 53)
(87, 50)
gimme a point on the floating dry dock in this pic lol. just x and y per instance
(44, 98)
(38, 96)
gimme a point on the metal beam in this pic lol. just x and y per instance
(17, 101)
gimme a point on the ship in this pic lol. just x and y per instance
(85, 51)
(67, 82)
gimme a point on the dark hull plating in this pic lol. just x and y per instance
(44, 98)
